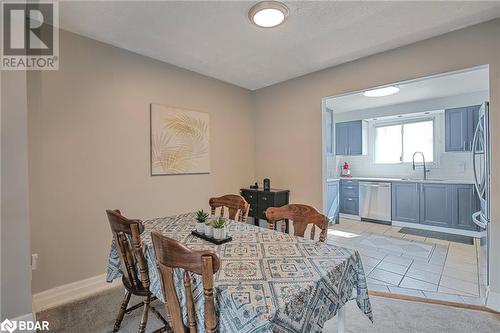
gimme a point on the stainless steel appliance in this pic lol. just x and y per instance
(482, 167)
(375, 201)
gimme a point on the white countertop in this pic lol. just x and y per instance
(411, 180)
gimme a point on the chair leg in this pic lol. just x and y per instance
(144, 318)
(123, 308)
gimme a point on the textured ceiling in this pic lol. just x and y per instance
(217, 39)
(459, 83)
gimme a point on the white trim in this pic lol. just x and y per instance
(72, 292)
(493, 301)
(349, 216)
(475, 234)
(25, 317)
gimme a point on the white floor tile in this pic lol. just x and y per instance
(423, 275)
(398, 260)
(406, 291)
(468, 287)
(408, 282)
(385, 276)
(392, 267)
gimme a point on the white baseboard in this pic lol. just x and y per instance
(493, 301)
(72, 292)
(475, 234)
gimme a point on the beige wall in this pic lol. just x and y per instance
(288, 115)
(89, 150)
(89, 144)
(15, 230)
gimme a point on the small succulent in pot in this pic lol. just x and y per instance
(209, 229)
(201, 218)
(219, 228)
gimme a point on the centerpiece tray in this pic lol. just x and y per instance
(211, 239)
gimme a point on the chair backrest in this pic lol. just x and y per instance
(234, 203)
(171, 254)
(301, 216)
(128, 242)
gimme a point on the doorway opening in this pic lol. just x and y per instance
(406, 180)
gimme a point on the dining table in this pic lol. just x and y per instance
(268, 281)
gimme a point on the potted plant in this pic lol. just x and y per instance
(201, 218)
(209, 230)
(219, 228)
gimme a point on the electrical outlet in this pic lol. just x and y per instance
(34, 261)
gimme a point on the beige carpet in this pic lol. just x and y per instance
(97, 313)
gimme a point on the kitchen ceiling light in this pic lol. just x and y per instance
(386, 91)
(268, 14)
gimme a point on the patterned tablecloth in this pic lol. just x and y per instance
(268, 281)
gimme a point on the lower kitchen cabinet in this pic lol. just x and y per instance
(349, 206)
(435, 204)
(349, 196)
(405, 202)
(464, 203)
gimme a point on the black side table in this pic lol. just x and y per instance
(260, 200)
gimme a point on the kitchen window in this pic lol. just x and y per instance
(397, 142)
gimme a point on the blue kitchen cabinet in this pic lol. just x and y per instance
(406, 202)
(459, 127)
(341, 138)
(332, 199)
(349, 197)
(464, 203)
(435, 204)
(350, 138)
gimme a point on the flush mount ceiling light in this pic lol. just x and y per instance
(386, 91)
(268, 14)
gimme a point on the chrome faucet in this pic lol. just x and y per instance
(423, 159)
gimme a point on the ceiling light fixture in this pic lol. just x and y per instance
(268, 14)
(380, 92)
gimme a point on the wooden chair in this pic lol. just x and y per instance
(171, 254)
(233, 203)
(301, 216)
(128, 242)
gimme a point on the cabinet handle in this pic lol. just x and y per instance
(349, 187)
(349, 199)
(250, 196)
(465, 147)
(264, 198)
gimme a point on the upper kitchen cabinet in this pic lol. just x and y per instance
(459, 127)
(350, 138)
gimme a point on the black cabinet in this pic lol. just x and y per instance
(260, 200)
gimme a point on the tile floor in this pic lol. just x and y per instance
(412, 265)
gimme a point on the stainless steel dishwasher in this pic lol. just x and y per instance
(375, 201)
